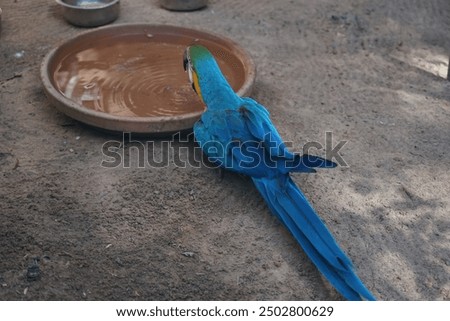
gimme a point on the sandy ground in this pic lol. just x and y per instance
(371, 72)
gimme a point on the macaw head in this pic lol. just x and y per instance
(206, 77)
(193, 58)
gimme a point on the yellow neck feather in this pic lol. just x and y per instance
(196, 84)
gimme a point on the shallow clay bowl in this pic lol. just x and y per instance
(130, 78)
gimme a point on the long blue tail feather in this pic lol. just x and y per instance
(230, 119)
(289, 204)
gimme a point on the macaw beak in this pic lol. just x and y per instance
(186, 66)
(185, 59)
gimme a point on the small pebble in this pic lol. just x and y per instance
(33, 272)
(188, 254)
(71, 150)
(119, 262)
(19, 54)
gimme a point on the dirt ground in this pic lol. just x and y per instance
(371, 72)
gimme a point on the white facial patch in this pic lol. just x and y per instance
(190, 72)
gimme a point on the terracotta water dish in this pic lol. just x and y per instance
(130, 78)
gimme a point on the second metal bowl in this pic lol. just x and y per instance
(183, 5)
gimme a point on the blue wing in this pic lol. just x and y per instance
(246, 141)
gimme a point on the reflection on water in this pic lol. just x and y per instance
(134, 75)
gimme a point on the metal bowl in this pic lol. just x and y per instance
(89, 13)
(130, 77)
(183, 5)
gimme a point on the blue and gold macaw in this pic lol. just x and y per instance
(237, 134)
